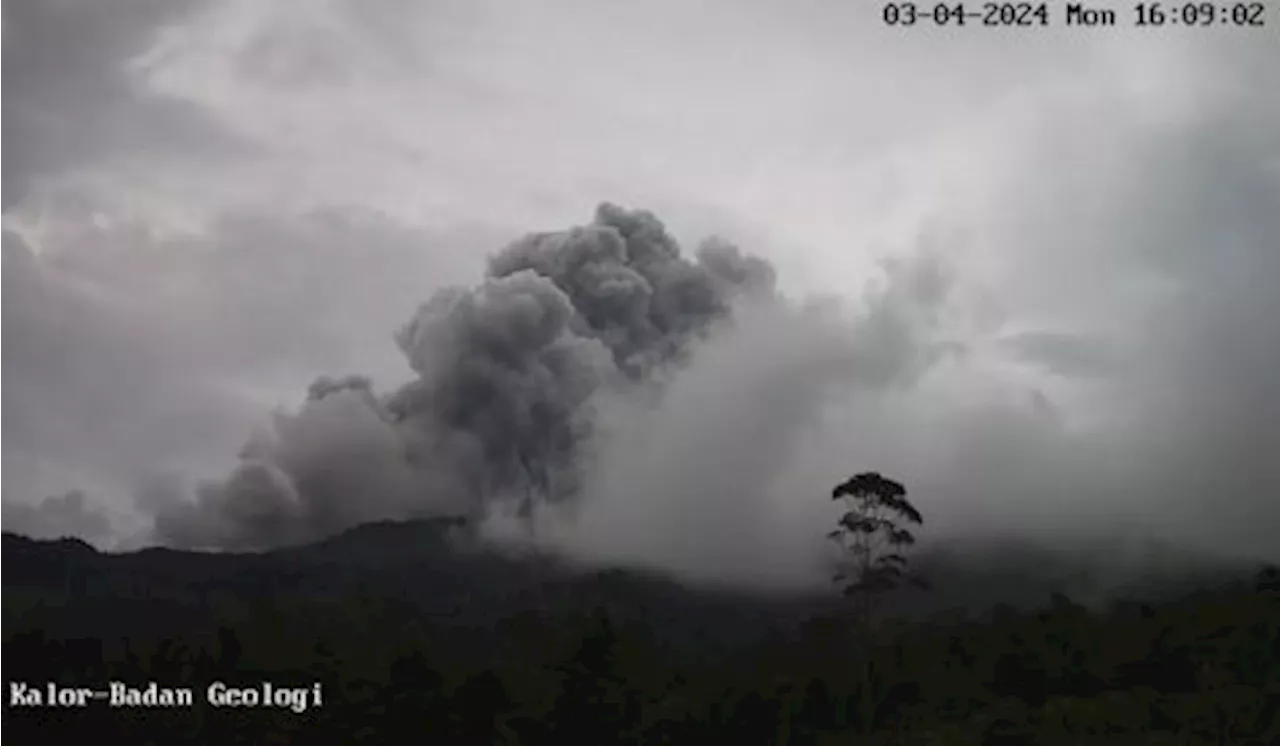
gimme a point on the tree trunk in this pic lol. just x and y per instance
(867, 713)
(868, 648)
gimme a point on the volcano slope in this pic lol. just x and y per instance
(417, 630)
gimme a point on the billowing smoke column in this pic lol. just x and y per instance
(502, 404)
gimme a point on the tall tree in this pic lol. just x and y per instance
(873, 536)
(595, 704)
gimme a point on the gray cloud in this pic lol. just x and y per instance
(129, 355)
(1176, 265)
(70, 98)
(59, 516)
(1210, 389)
(700, 481)
(1162, 426)
(502, 402)
(1064, 353)
(332, 42)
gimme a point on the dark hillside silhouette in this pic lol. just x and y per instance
(416, 638)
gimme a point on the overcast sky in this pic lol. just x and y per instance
(208, 203)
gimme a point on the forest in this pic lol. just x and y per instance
(412, 641)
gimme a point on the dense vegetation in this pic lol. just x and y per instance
(429, 647)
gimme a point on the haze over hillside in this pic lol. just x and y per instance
(441, 572)
(281, 270)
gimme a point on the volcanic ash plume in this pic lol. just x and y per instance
(502, 403)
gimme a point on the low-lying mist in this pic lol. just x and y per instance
(601, 393)
(1071, 343)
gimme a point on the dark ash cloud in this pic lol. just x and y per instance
(129, 356)
(502, 404)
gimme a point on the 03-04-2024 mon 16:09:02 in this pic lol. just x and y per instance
(1145, 14)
